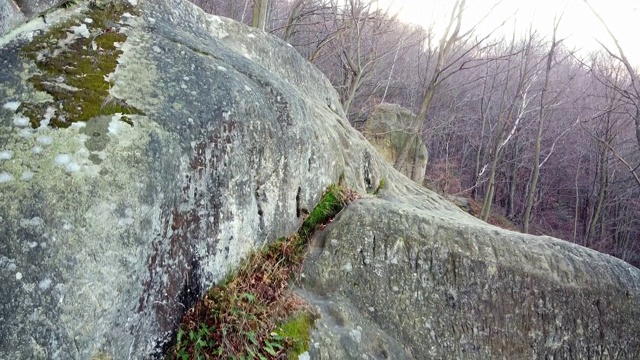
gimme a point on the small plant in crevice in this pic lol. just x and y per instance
(381, 185)
(253, 314)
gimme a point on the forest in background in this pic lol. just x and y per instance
(526, 127)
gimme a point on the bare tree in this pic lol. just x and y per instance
(542, 110)
(259, 18)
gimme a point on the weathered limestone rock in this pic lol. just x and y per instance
(463, 290)
(110, 227)
(388, 129)
(139, 164)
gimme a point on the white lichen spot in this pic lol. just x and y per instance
(36, 150)
(356, 335)
(44, 284)
(88, 20)
(21, 121)
(347, 267)
(186, 78)
(72, 167)
(6, 155)
(12, 105)
(5, 177)
(25, 133)
(26, 176)
(44, 124)
(156, 49)
(44, 140)
(184, 86)
(62, 159)
(81, 30)
(36, 221)
(115, 125)
(125, 221)
(67, 226)
(18, 276)
(83, 152)
(251, 36)
(304, 356)
(48, 115)
(12, 267)
(33, 244)
(221, 68)
(78, 125)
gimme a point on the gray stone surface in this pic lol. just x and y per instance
(463, 290)
(109, 231)
(10, 16)
(16, 12)
(388, 128)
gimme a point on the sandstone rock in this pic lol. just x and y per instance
(111, 226)
(462, 290)
(388, 129)
(195, 139)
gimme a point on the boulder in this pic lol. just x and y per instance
(139, 165)
(388, 128)
(459, 289)
(146, 148)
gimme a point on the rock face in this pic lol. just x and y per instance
(139, 164)
(457, 289)
(14, 13)
(388, 129)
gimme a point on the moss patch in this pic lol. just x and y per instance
(253, 314)
(74, 59)
(297, 329)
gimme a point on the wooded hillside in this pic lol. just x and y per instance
(527, 127)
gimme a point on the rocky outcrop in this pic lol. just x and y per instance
(388, 128)
(458, 289)
(145, 149)
(127, 190)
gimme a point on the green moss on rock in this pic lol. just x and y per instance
(297, 331)
(75, 59)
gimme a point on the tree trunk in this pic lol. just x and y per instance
(259, 19)
(541, 117)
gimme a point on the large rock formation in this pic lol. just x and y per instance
(144, 150)
(457, 289)
(388, 128)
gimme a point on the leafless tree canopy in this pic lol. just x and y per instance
(536, 136)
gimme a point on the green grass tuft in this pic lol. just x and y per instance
(252, 314)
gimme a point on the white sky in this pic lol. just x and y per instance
(579, 26)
